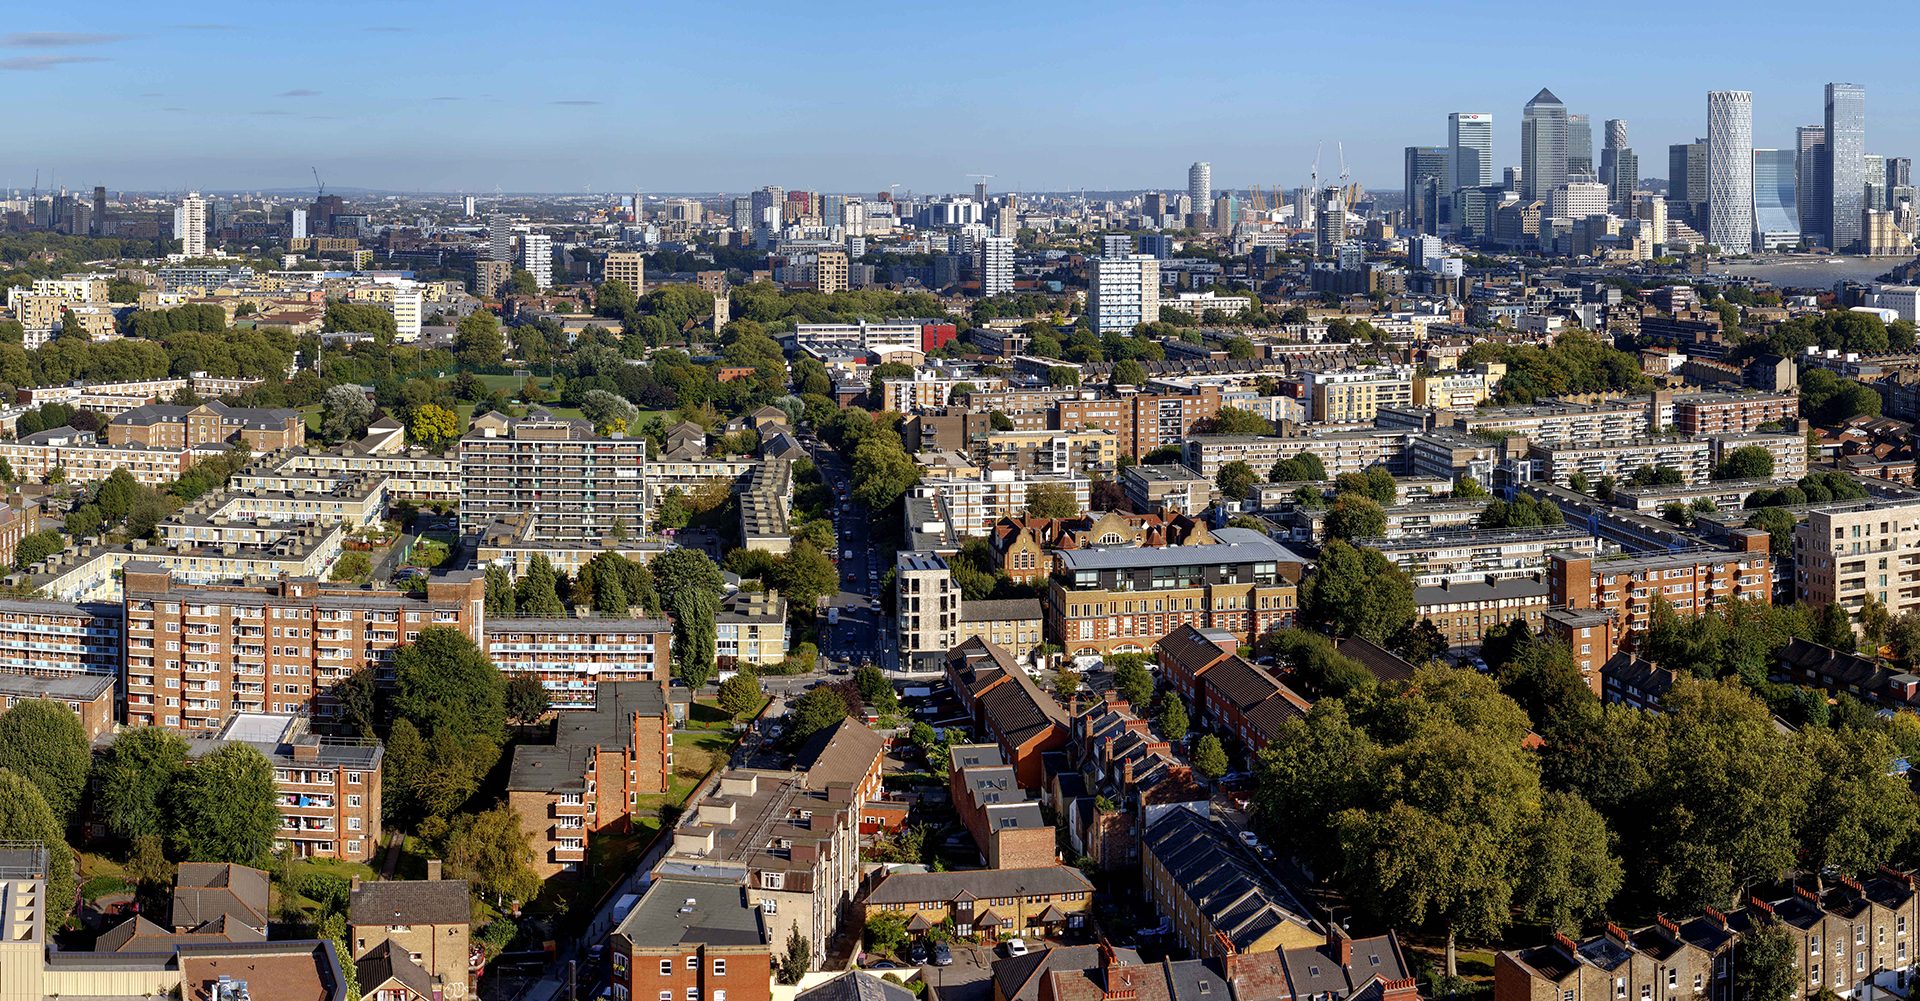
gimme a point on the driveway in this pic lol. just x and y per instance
(970, 978)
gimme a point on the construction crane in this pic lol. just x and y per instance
(320, 185)
(1347, 187)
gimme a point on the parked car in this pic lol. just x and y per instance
(917, 950)
(942, 955)
(1016, 947)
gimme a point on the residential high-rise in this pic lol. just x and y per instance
(1579, 145)
(190, 225)
(99, 221)
(743, 214)
(1470, 146)
(1687, 182)
(1845, 163)
(1330, 222)
(830, 272)
(1730, 170)
(1776, 216)
(468, 206)
(629, 268)
(1899, 175)
(1426, 187)
(499, 237)
(1123, 292)
(297, 224)
(1200, 185)
(1543, 146)
(1226, 211)
(538, 258)
(996, 265)
(572, 484)
(1810, 192)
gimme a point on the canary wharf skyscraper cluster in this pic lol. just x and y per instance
(1820, 190)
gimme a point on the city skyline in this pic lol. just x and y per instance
(433, 97)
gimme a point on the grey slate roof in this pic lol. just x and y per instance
(857, 985)
(931, 887)
(410, 902)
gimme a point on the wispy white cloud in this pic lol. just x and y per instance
(300, 92)
(47, 62)
(56, 39)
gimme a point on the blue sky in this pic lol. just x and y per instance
(854, 96)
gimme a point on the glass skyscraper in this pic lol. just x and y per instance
(1543, 146)
(1846, 163)
(1810, 191)
(1776, 216)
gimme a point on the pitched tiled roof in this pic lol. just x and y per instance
(933, 887)
(1213, 870)
(843, 753)
(1192, 649)
(411, 902)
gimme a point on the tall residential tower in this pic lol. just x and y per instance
(1730, 170)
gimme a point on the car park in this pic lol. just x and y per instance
(942, 954)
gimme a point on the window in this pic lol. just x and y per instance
(719, 967)
(1699, 982)
(666, 967)
(769, 906)
(666, 996)
(693, 994)
(1619, 987)
(693, 963)
(720, 995)
(1813, 975)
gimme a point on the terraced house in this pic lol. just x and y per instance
(1219, 899)
(1854, 938)
(1008, 706)
(990, 903)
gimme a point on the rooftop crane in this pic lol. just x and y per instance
(319, 184)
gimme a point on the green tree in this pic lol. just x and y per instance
(1173, 720)
(1051, 500)
(1859, 815)
(1065, 684)
(1355, 516)
(25, 816)
(525, 700)
(1778, 524)
(886, 932)
(1570, 864)
(477, 341)
(793, 965)
(225, 808)
(539, 591)
(1235, 480)
(500, 593)
(690, 589)
(490, 850)
(805, 575)
(42, 740)
(740, 695)
(433, 426)
(1128, 372)
(1304, 466)
(522, 282)
(1132, 679)
(1234, 420)
(116, 494)
(1356, 592)
(444, 683)
(817, 710)
(1769, 967)
(1748, 462)
(133, 779)
(1210, 758)
(37, 546)
(352, 565)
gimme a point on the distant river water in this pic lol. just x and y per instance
(1820, 273)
